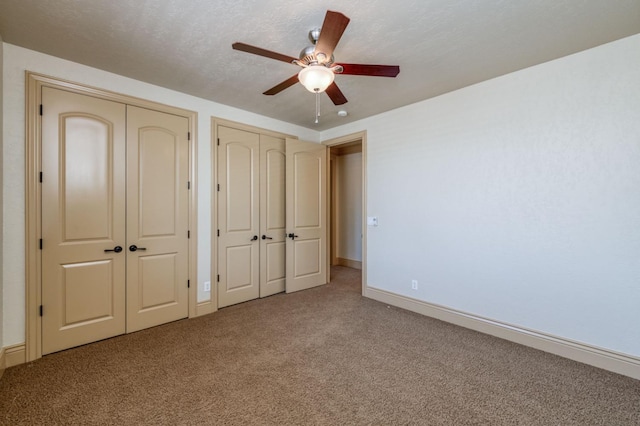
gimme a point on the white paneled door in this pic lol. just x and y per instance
(157, 218)
(272, 215)
(251, 215)
(114, 177)
(83, 219)
(238, 216)
(306, 215)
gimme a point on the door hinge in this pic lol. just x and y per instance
(41, 310)
(40, 243)
(218, 141)
(218, 233)
(218, 187)
(188, 184)
(40, 177)
(188, 136)
(40, 109)
(188, 283)
(188, 234)
(218, 278)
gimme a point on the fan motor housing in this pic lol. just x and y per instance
(308, 56)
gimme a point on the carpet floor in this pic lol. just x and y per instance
(325, 356)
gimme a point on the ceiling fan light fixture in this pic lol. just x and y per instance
(316, 78)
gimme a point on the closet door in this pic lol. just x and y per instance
(83, 219)
(306, 215)
(157, 218)
(238, 216)
(272, 215)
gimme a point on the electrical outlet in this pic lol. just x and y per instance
(414, 284)
(207, 286)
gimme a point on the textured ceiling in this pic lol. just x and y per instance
(440, 45)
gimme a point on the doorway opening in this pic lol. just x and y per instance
(347, 236)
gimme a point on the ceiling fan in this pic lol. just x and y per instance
(317, 61)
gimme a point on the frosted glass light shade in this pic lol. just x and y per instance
(316, 78)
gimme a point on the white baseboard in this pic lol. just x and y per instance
(11, 356)
(15, 355)
(355, 264)
(204, 308)
(598, 357)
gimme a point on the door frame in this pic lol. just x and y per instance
(335, 142)
(33, 212)
(336, 152)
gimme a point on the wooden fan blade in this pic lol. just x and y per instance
(335, 94)
(372, 70)
(334, 25)
(263, 52)
(284, 85)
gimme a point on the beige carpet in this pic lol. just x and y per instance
(323, 356)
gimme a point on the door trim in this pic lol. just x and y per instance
(345, 140)
(337, 152)
(33, 258)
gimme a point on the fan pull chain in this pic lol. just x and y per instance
(317, 106)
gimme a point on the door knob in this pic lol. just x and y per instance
(134, 247)
(292, 236)
(255, 238)
(264, 237)
(117, 249)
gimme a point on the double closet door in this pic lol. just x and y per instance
(114, 218)
(271, 204)
(251, 212)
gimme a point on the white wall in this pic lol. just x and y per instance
(349, 200)
(517, 199)
(16, 61)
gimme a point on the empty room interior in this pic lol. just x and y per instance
(298, 212)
